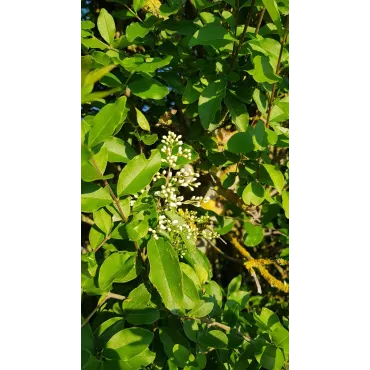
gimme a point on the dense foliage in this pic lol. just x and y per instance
(185, 184)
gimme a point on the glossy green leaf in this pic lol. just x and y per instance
(181, 354)
(238, 111)
(191, 295)
(260, 100)
(170, 337)
(138, 4)
(285, 198)
(226, 225)
(106, 26)
(103, 220)
(212, 34)
(148, 88)
(273, 11)
(137, 362)
(152, 64)
(165, 273)
(91, 172)
(263, 71)
(234, 285)
(210, 102)
(141, 120)
(276, 176)
(137, 307)
(254, 235)
(241, 142)
(106, 121)
(191, 329)
(94, 197)
(192, 92)
(201, 309)
(214, 339)
(270, 357)
(118, 150)
(118, 267)
(253, 193)
(128, 343)
(138, 173)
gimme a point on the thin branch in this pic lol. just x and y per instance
(116, 201)
(105, 299)
(103, 242)
(260, 20)
(224, 327)
(235, 55)
(223, 254)
(87, 220)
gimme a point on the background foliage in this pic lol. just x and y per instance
(216, 73)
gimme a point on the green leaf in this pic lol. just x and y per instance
(212, 34)
(276, 176)
(181, 354)
(210, 102)
(273, 11)
(191, 295)
(263, 71)
(192, 92)
(140, 30)
(253, 193)
(118, 267)
(141, 120)
(119, 150)
(86, 25)
(106, 121)
(214, 339)
(89, 172)
(241, 142)
(137, 307)
(260, 100)
(234, 285)
(285, 197)
(260, 136)
(106, 26)
(239, 113)
(138, 173)
(152, 64)
(128, 343)
(191, 329)
(107, 329)
(137, 228)
(269, 357)
(138, 4)
(94, 197)
(103, 220)
(226, 225)
(148, 88)
(165, 273)
(201, 309)
(170, 337)
(193, 255)
(254, 234)
(137, 362)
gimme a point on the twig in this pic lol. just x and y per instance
(87, 220)
(254, 276)
(223, 254)
(103, 242)
(234, 56)
(116, 201)
(224, 327)
(260, 20)
(132, 12)
(108, 296)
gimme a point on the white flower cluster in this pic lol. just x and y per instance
(172, 226)
(170, 142)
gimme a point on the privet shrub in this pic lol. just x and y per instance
(184, 167)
